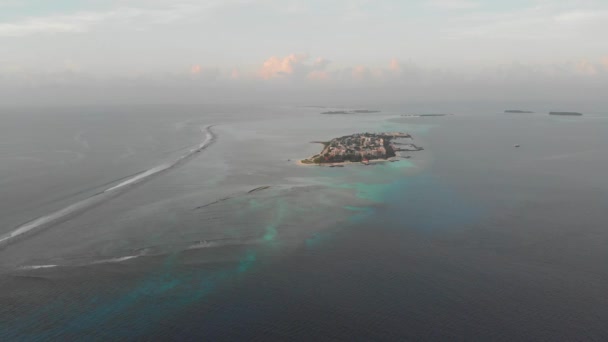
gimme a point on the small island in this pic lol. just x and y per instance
(356, 111)
(566, 113)
(425, 115)
(364, 111)
(331, 112)
(361, 147)
(518, 111)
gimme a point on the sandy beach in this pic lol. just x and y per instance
(374, 161)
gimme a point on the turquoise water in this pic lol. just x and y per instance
(268, 225)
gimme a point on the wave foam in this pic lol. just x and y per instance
(115, 260)
(37, 267)
(81, 206)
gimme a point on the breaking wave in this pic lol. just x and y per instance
(152, 251)
(37, 267)
(81, 206)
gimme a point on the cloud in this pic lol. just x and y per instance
(318, 75)
(196, 69)
(452, 4)
(604, 63)
(279, 67)
(85, 21)
(393, 72)
(320, 63)
(235, 74)
(50, 25)
(571, 81)
(394, 65)
(296, 66)
(198, 72)
(301, 70)
(361, 73)
(580, 16)
(586, 68)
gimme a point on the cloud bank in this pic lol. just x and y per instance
(448, 48)
(299, 78)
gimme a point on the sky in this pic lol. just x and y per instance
(316, 44)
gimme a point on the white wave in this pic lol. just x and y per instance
(50, 218)
(223, 243)
(209, 138)
(98, 262)
(104, 261)
(81, 206)
(37, 267)
(203, 244)
(140, 177)
(115, 260)
(200, 245)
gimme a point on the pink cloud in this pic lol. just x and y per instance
(278, 67)
(605, 62)
(196, 69)
(295, 66)
(235, 74)
(360, 72)
(585, 67)
(395, 65)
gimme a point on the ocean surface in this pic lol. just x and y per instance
(195, 222)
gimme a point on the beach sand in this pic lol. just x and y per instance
(374, 161)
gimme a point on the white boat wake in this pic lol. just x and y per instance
(81, 206)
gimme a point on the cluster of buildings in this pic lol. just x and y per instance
(359, 147)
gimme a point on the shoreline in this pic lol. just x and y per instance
(341, 164)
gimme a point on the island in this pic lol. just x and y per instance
(356, 111)
(337, 112)
(361, 147)
(518, 111)
(364, 111)
(424, 115)
(566, 113)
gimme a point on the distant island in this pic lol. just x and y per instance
(518, 111)
(338, 112)
(566, 113)
(364, 111)
(356, 111)
(425, 115)
(361, 147)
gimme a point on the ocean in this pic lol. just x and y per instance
(195, 222)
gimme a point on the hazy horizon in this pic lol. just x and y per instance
(132, 51)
